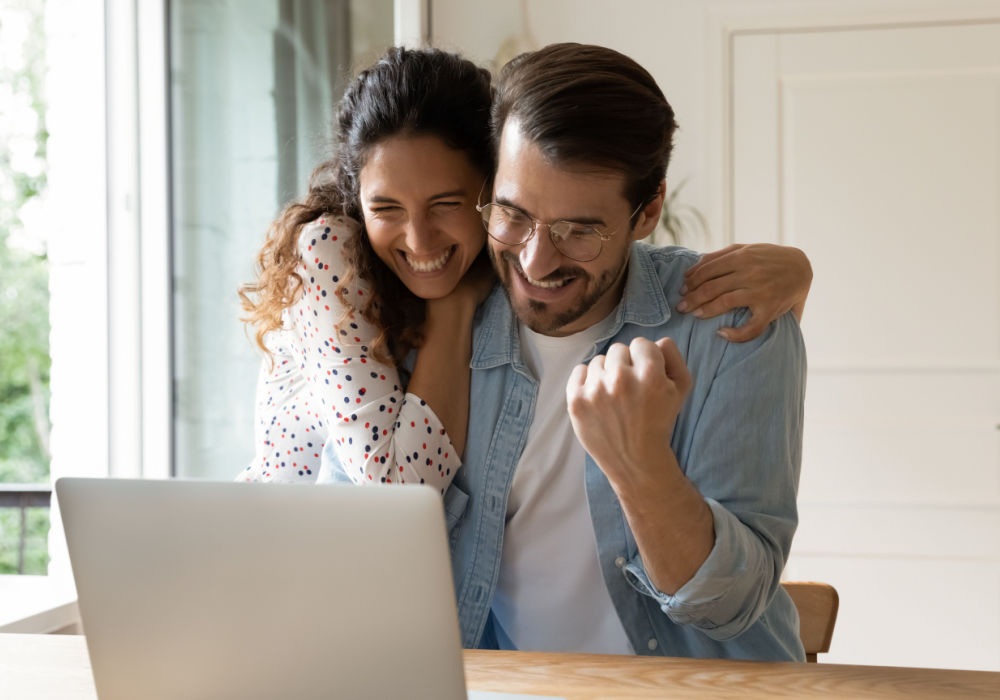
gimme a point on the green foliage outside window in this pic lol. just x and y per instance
(24, 295)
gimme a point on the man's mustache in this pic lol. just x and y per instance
(555, 276)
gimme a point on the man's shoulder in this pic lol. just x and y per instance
(655, 278)
(674, 255)
(668, 263)
(666, 266)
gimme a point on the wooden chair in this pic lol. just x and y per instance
(817, 604)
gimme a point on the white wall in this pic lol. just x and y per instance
(676, 40)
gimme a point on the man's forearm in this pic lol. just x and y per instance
(671, 522)
(623, 406)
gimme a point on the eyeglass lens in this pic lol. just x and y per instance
(511, 227)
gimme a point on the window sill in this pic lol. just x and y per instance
(38, 604)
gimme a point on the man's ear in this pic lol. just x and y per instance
(649, 216)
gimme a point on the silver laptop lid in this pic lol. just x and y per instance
(229, 590)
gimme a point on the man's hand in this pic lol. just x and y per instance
(768, 279)
(623, 407)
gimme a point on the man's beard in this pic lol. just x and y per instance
(535, 314)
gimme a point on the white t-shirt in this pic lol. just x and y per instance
(550, 595)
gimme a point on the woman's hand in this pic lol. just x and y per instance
(478, 280)
(471, 291)
(768, 279)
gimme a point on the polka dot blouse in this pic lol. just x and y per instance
(323, 384)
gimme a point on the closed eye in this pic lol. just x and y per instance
(514, 215)
(387, 213)
(569, 229)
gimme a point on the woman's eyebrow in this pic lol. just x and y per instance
(449, 193)
(382, 199)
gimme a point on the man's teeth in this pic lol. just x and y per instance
(428, 265)
(546, 285)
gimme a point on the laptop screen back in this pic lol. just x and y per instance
(229, 590)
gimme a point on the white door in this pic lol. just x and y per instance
(877, 151)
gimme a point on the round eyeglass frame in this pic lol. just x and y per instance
(484, 210)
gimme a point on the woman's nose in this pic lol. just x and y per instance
(419, 234)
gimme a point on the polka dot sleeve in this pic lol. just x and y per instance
(325, 385)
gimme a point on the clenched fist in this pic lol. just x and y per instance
(623, 407)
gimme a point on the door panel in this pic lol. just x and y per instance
(877, 151)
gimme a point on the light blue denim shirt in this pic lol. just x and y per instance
(738, 439)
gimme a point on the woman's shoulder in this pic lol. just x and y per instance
(333, 228)
(322, 240)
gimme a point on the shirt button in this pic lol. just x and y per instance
(620, 562)
(652, 644)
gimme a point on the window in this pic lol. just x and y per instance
(24, 294)
(252, 90)
(177, 131)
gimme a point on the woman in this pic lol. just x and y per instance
(385, 256)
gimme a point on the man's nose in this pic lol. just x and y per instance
(538, 257)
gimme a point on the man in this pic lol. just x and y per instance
(655, 515)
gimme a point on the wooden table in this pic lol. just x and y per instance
(53, 667)
(587, 676)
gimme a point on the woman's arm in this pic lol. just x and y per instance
(768, 279)
(378, 433)
(441, 373)
(280, 455)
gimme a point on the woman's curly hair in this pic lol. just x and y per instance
(407, 91)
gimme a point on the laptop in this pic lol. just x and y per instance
(193, 589)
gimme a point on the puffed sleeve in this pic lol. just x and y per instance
(379, 433)
(323, 383)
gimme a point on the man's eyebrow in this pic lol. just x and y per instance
(381, 199)
(586, 220)
(500, 199)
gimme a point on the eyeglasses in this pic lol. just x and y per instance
(511, 226)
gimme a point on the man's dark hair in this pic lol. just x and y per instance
(589, 107)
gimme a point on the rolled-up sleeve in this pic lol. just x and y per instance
(741, 446)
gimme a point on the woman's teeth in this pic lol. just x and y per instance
(428, 265)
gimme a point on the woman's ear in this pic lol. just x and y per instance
(649, 215)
